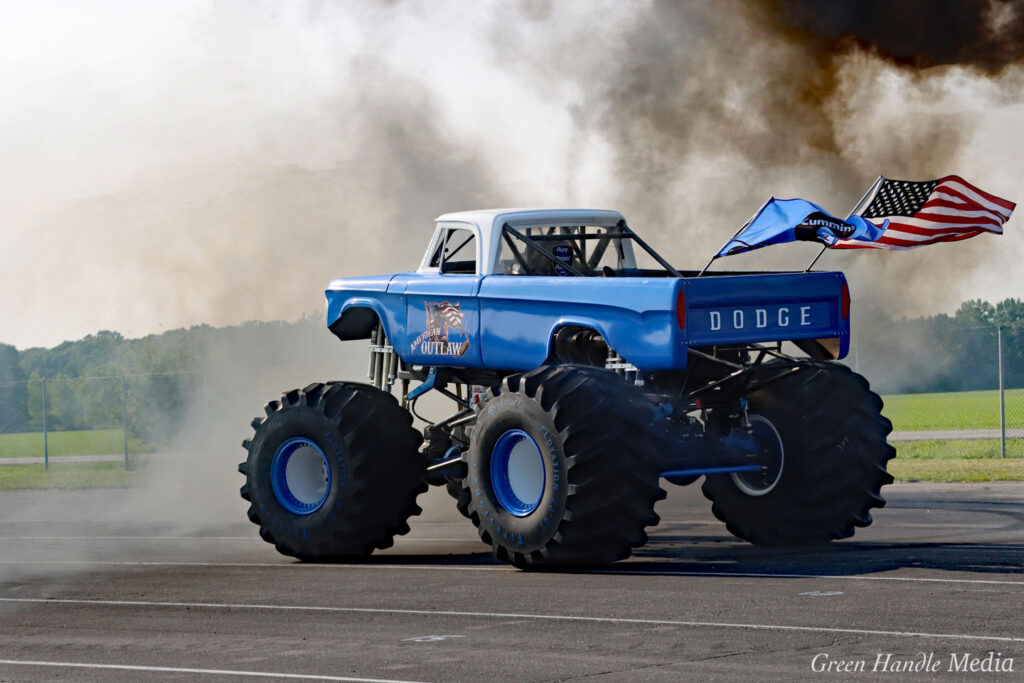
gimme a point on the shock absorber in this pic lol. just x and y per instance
(372, 371)
(380, 356)
(383, 360)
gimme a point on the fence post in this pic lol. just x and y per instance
(1002, 392)
(124, 419)
(205, 421)
(46, 445)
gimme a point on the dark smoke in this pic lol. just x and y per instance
(710, 108)
(987, 34)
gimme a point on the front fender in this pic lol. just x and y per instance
(357, 319)
(354, 306)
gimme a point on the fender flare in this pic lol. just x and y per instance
(585, 323)
(358, 319)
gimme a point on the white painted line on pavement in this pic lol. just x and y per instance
(514, 615)
(256, 540)
(261, 565)
(182, 670)
(130, 538)
(757, 575)
(939, 525)
(984, 546)
(505, 568)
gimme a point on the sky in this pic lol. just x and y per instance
(173, 164)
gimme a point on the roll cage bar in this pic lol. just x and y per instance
(577, 237)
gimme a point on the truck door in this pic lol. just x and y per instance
(442, 312)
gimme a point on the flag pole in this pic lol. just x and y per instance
(736, 234)
(864, 201)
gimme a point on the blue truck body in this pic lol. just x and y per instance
(492, 320)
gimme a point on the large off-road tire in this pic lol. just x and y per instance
(557, 468)
(461, 495)
(333, 471)
(825, 432)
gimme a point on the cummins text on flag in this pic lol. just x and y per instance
(926, 212)
(790, 220)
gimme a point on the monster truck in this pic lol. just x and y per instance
(584, 369)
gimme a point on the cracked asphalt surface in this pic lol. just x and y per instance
(93, 598)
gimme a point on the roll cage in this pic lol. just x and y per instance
(573, 241)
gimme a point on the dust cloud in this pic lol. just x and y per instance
(218, 163)
(215, 163)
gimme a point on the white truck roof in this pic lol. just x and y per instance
(489, 222)
(489, 217)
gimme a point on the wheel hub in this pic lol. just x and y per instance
(300, 476)
(771, 454)
(517, 472)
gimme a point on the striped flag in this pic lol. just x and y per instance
(444, 314)
(452, 314)
(919, 213)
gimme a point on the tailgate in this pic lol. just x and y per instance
(731, 309)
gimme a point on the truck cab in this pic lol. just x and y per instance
(473, 242)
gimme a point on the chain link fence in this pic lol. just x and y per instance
(96, 419)
(960, 385)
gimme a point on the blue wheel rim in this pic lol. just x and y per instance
(300, 476)
(518, 477)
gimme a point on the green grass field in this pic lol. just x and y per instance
(82, 442)
(958, 461)
(954, 410)
(949, 461)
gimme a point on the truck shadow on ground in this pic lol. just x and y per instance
(681, 554)
(688, 555)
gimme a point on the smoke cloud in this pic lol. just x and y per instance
(221, 162)
(249, 156)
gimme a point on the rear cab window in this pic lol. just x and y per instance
(589, 250)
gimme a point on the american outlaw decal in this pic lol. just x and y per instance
(444, 335)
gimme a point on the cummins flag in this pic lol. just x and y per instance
(919, 213)
(790, 220)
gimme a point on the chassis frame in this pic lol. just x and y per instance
(699, 416)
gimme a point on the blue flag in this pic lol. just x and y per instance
(791, 220)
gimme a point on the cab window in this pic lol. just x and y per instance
(455, 252)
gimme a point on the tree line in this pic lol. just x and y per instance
(942, 352)
(163, 373)
(104, 378)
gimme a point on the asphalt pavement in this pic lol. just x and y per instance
(98, 594)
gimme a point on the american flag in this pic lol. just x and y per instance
(444, 314)
(452, 314)
(919, 213)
